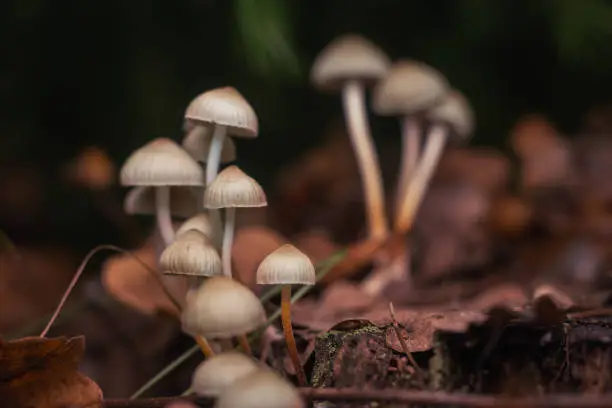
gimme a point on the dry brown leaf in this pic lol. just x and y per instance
(251, 245)
(42, 373)
(132, 284)
(508, 296)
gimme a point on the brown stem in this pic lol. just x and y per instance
(244, 343)
(288, 330)
(80, 270)
(204, 346)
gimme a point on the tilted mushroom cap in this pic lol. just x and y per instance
(183, 203)
(287, 265)
(161, 162)
(348, 57)
(198, 222)
(456, 112)
(221, 308)
(224, 106)
(216, 373)
(262, 389)
(233, 188)
(409, 87)
(190, 254)
(197, 144)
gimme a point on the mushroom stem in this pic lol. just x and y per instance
(162, 212)
(204, 346)
(415, 191)
(212, 169)
(244, 343)
(228, 241)
(353, 98)
(411, 144)
(288, 330)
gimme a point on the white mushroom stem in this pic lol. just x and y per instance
(228, 241)
(353, 98)
(436, 139)
(162, 213)
(411, 145)
(213, 162)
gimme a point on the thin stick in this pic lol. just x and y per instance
(80, 270)
(289, 338)
(405, 347)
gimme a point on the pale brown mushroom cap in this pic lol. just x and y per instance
(191, 255)
(409, 87)
(199, 222)
(286, 266)
(456, 112)
(216, 373)
(350, 57)
(183, 204)
(197, 144)
(224, 106)
(161, 162)
(262, 389)
(233, 188)
(221, 308)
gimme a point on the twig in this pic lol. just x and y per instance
(405, 347)
(80, 270)
(404, 397)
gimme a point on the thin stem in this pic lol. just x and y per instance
(244, 343)
(80, 270)
(353, 99)
(288, 330)
(204, 346)
(228, 241)
(405, 347)
(411, 145)
(415, 192)
(213, 161)
(162, 212)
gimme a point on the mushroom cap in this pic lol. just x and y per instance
(224, 106)
(261, 389)
(456, 112)
(199, 222)
(183, 203)
(197, 144)
(221, 308)
(216, 373)
(286, 266)
(192, 255)
(161, 162)
(349, 57)
(410, 86)
(233, 188)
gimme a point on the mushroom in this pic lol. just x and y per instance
(288, 266)
(197, 144)
(213, 375)
(190, 255)
(261, 389)
(222, 308)
(350, 63)
(161, 164)
(451, 118)
(232, 189)
(410, 88)
(198, 222)
(141, 201)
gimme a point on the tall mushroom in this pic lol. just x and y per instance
(197, 143)
(141, 201)
(288, 266)
(350, 64)
(232, 189)
(161, 164)
(408, 90)
(452, 118)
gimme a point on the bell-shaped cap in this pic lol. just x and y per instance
(199, 222)
(216, 373)
(192, 255)
(222, 308)
(286, 266)
(232, 189)
(227, 107)
(161, 162)
(456, 112)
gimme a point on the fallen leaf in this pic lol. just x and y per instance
(42, 373)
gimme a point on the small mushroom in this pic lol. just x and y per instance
(141, 201)
(222, 308)
(161, 164)
(190, 255)
(232, 189)
(409, 89)
(288, 266)
(213, 375)
(198, 222)
(451, 118)
(197, 144)
(262, 389)
(350, 64)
